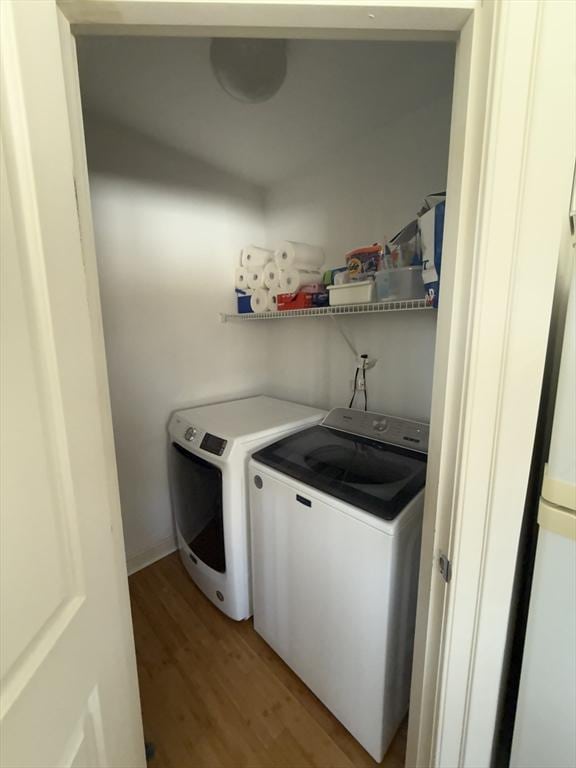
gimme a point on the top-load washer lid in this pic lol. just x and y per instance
(378, 477)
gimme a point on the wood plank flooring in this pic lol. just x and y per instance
(215, 695)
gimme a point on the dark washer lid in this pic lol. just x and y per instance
(374, 476)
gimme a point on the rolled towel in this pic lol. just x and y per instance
(272, 275)
(272, 305)
(259, 300)
(255, 277)
(241, 278)
(291, 280)
(290, 255)
(253, 256)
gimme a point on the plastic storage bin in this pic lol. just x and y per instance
(351, 293)
(383, 284)
(400, 283)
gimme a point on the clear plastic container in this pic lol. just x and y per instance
(400, 283)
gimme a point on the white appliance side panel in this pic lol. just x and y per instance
(402, 617)
(544, 731)
(562, 457)
(322, 581)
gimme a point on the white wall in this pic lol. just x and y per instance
(167, 230)
(165, 89)
(359, 195)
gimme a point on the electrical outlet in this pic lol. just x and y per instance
(366, 362)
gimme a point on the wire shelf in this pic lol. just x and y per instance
(345, 309)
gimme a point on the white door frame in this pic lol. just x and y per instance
(305, 20)
(511, 71)
(524, 196)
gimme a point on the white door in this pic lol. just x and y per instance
(69, 686)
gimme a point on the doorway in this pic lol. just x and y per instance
(182, 176)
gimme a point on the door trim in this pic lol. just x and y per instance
(407, 19)
(532, 71)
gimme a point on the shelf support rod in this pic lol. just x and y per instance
(344, 336)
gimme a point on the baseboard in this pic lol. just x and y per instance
(150, 555)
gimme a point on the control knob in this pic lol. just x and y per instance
(189, 434)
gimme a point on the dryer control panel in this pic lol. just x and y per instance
(213, 444)
(193, 437)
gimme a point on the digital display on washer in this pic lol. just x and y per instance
(213, 444)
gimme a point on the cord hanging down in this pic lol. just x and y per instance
(360, 386)
(364, 363)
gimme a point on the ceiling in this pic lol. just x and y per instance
(335, 93)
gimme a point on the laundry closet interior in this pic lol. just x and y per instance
(338, 146)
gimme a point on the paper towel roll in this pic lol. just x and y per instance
(272, 275)
(241, 278)
(271, 304)
(289, 255)
(259, 300)
(255, 277)
(291, 280)
(253, 256)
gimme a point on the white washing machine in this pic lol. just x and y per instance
(208, 460)
(336, 514)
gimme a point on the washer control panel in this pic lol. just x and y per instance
(377, 426)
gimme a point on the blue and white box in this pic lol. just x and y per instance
(243, 300)
(431, 227)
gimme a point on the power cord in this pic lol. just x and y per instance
(355, 390)
(360, 370)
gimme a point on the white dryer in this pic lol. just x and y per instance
(209, 449)
(336, 516)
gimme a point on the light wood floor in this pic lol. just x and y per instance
(214, 694)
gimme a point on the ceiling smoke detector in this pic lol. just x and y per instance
(249, 70)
